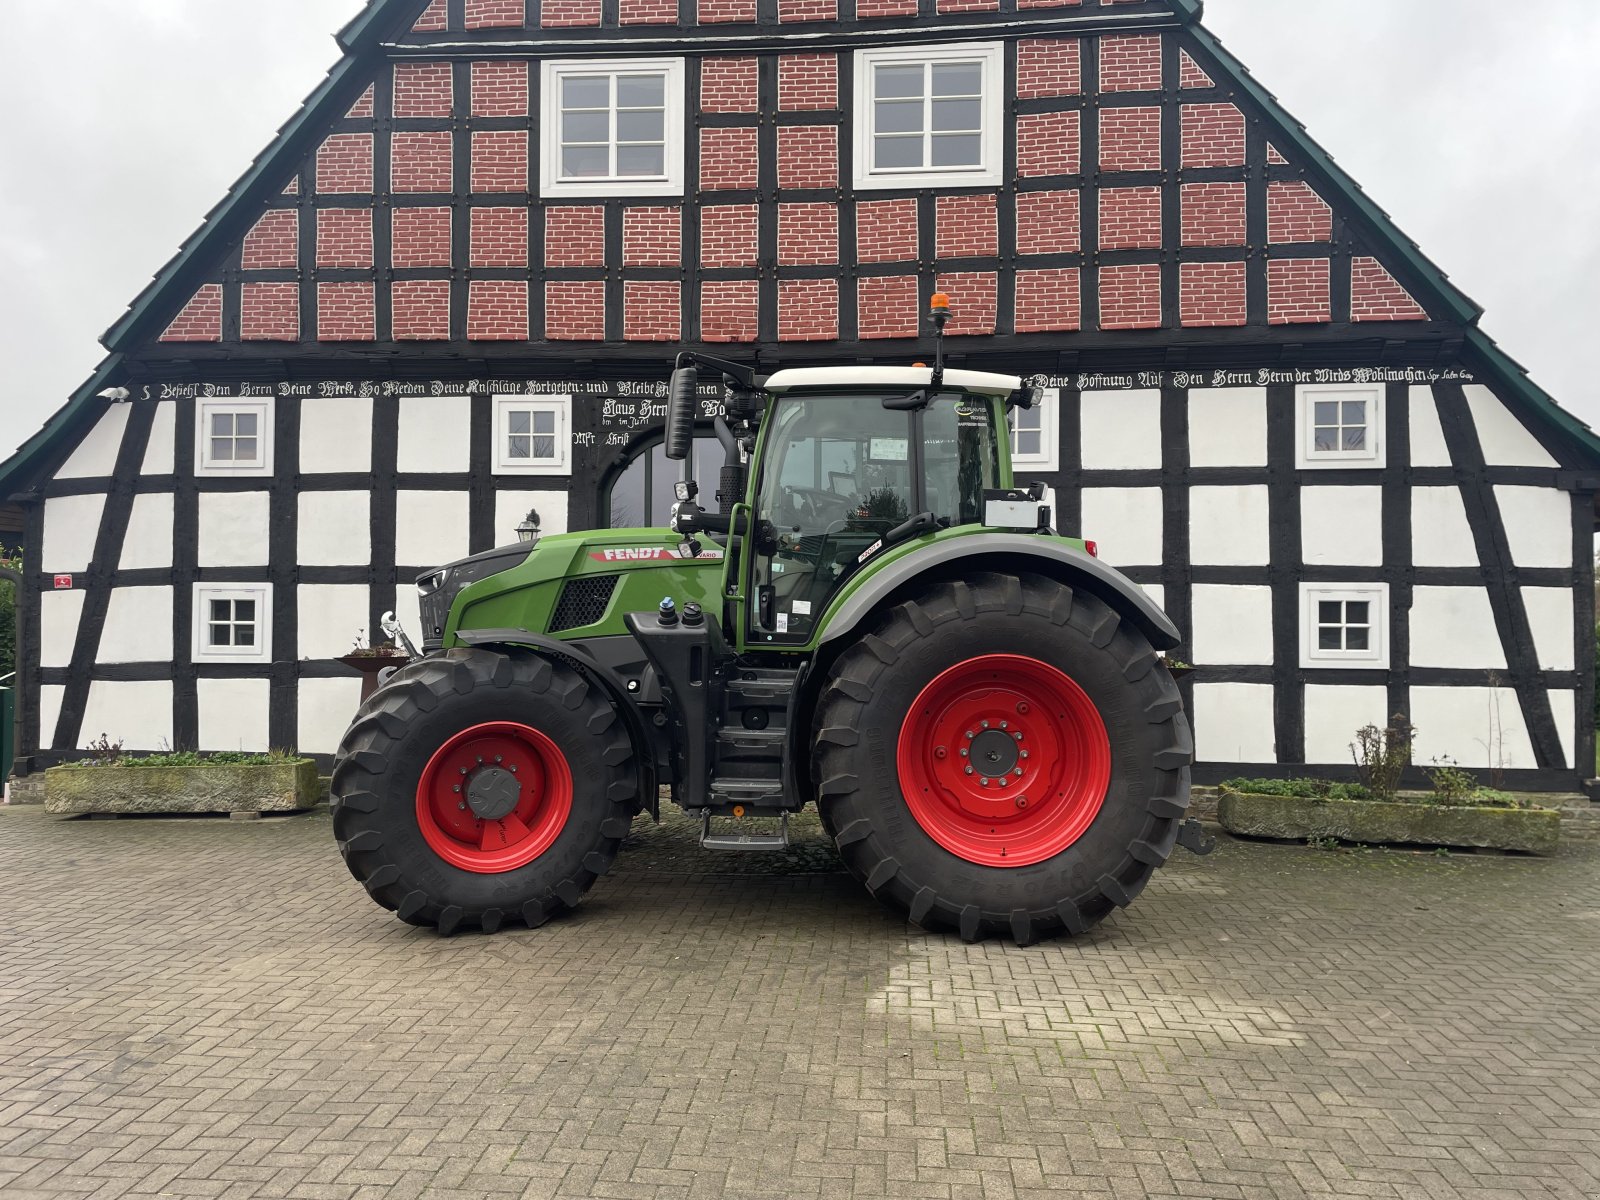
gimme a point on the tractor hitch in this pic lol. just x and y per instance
(1192, 836)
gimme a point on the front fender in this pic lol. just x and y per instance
(1008, 553)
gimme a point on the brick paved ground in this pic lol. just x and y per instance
(213, 1008)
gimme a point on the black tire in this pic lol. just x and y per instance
(385, 751)
(871, 689)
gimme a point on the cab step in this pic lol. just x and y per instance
(743, 841)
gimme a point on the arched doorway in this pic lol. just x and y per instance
(638, 495)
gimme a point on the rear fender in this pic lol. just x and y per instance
(1008, 554)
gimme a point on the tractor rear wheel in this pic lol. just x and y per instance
(1002, 755)
(479, 787)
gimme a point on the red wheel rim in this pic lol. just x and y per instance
(1004, 760)
(494, 797)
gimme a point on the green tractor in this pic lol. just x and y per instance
(877, 620)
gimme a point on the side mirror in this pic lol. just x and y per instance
(682, 399)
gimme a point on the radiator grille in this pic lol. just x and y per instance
(583, 601)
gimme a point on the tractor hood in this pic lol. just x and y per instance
(875, 378)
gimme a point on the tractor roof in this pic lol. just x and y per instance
(877, 378)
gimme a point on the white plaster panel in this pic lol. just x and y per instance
(148, 542)
(96, 456)
(1341, 526)
(159, 457)
(1121, 431)
(1125, 524)
(335, 528)
(1228, 427)
(1232, 625)
(1538, 525)
(1228, 526)
(71, 524)
(1440, 535)
(1454, 627)
(1478, 727)
(511, 506)
(139, 715)
(233, 713)
(1333, 714)
(1564, 710)
(431, 527)
(234, 528)
(435, 434)
(138, 626)
(336, 434)
(1505, 440)
(59, 613)
(50, 697)
(1428, 448)
(1233, 723)
(326, 706)
(1550, 617)
(332, 616)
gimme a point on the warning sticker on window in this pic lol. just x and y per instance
(783, 622)
(802, 608)
(883, 449)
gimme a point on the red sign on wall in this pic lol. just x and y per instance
(63, 582)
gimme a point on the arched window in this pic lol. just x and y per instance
(640, 495)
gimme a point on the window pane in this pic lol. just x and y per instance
(517, 447)
(544, 421)
(957, 114)
(1327, 412)
(1326, 439)
(957, 150)
(898, 80)
(244, 635)
(544, 447)
(641, 160)
(1355, 412)
(898, 116)
(221, 449)
(957, 79)
(518, 420)
(585, 161)
(1357, 638)
(1355, 612)
(641, 126)
(641, 91)
(1329, 612)
(1029, 441)
(221, 610)
(244, 449)
(891, 152)
(1355, 439)
(244, 610)
(245, 423)
(585, 127)
(221, 635)
(586, 91)
(1328, 639)
(221, 424)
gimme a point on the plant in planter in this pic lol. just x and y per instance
(1457, 812)
(180, 782)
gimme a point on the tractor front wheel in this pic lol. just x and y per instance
(479, 787)
(1002, 755)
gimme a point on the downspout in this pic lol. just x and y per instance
(15, 578)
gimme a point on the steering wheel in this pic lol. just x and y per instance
(807, 506)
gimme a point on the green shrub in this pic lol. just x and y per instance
(1382, 755)
(183, 758)
(1302, 789)
(1451, 785)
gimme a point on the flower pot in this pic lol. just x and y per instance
(370, 665)
(202, 788)
(1530, 830)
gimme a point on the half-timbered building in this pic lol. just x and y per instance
(449, 292)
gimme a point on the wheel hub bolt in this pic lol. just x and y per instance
(984, 725)
(1003, 781)
(457, 788)
(463, 770)
(970, 735)
(1017, 772)
(965, 752)
(497, 758)
(969, 770)
(1023, 754)
(461, 804)
(1005, 725)
(480, 760)
(1018, 736)
(984, 782)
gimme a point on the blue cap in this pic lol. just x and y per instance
(667, 604)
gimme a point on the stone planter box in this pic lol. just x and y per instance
(1531, 830)
(206, 788)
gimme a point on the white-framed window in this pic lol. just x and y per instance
(929, 116)
(1034, 439)
(612, 127)
(232, 623)
(1344, 625)
(1339, 426)
(532, 435)
(233, 436)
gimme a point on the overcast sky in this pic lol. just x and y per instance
(1472, 122)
